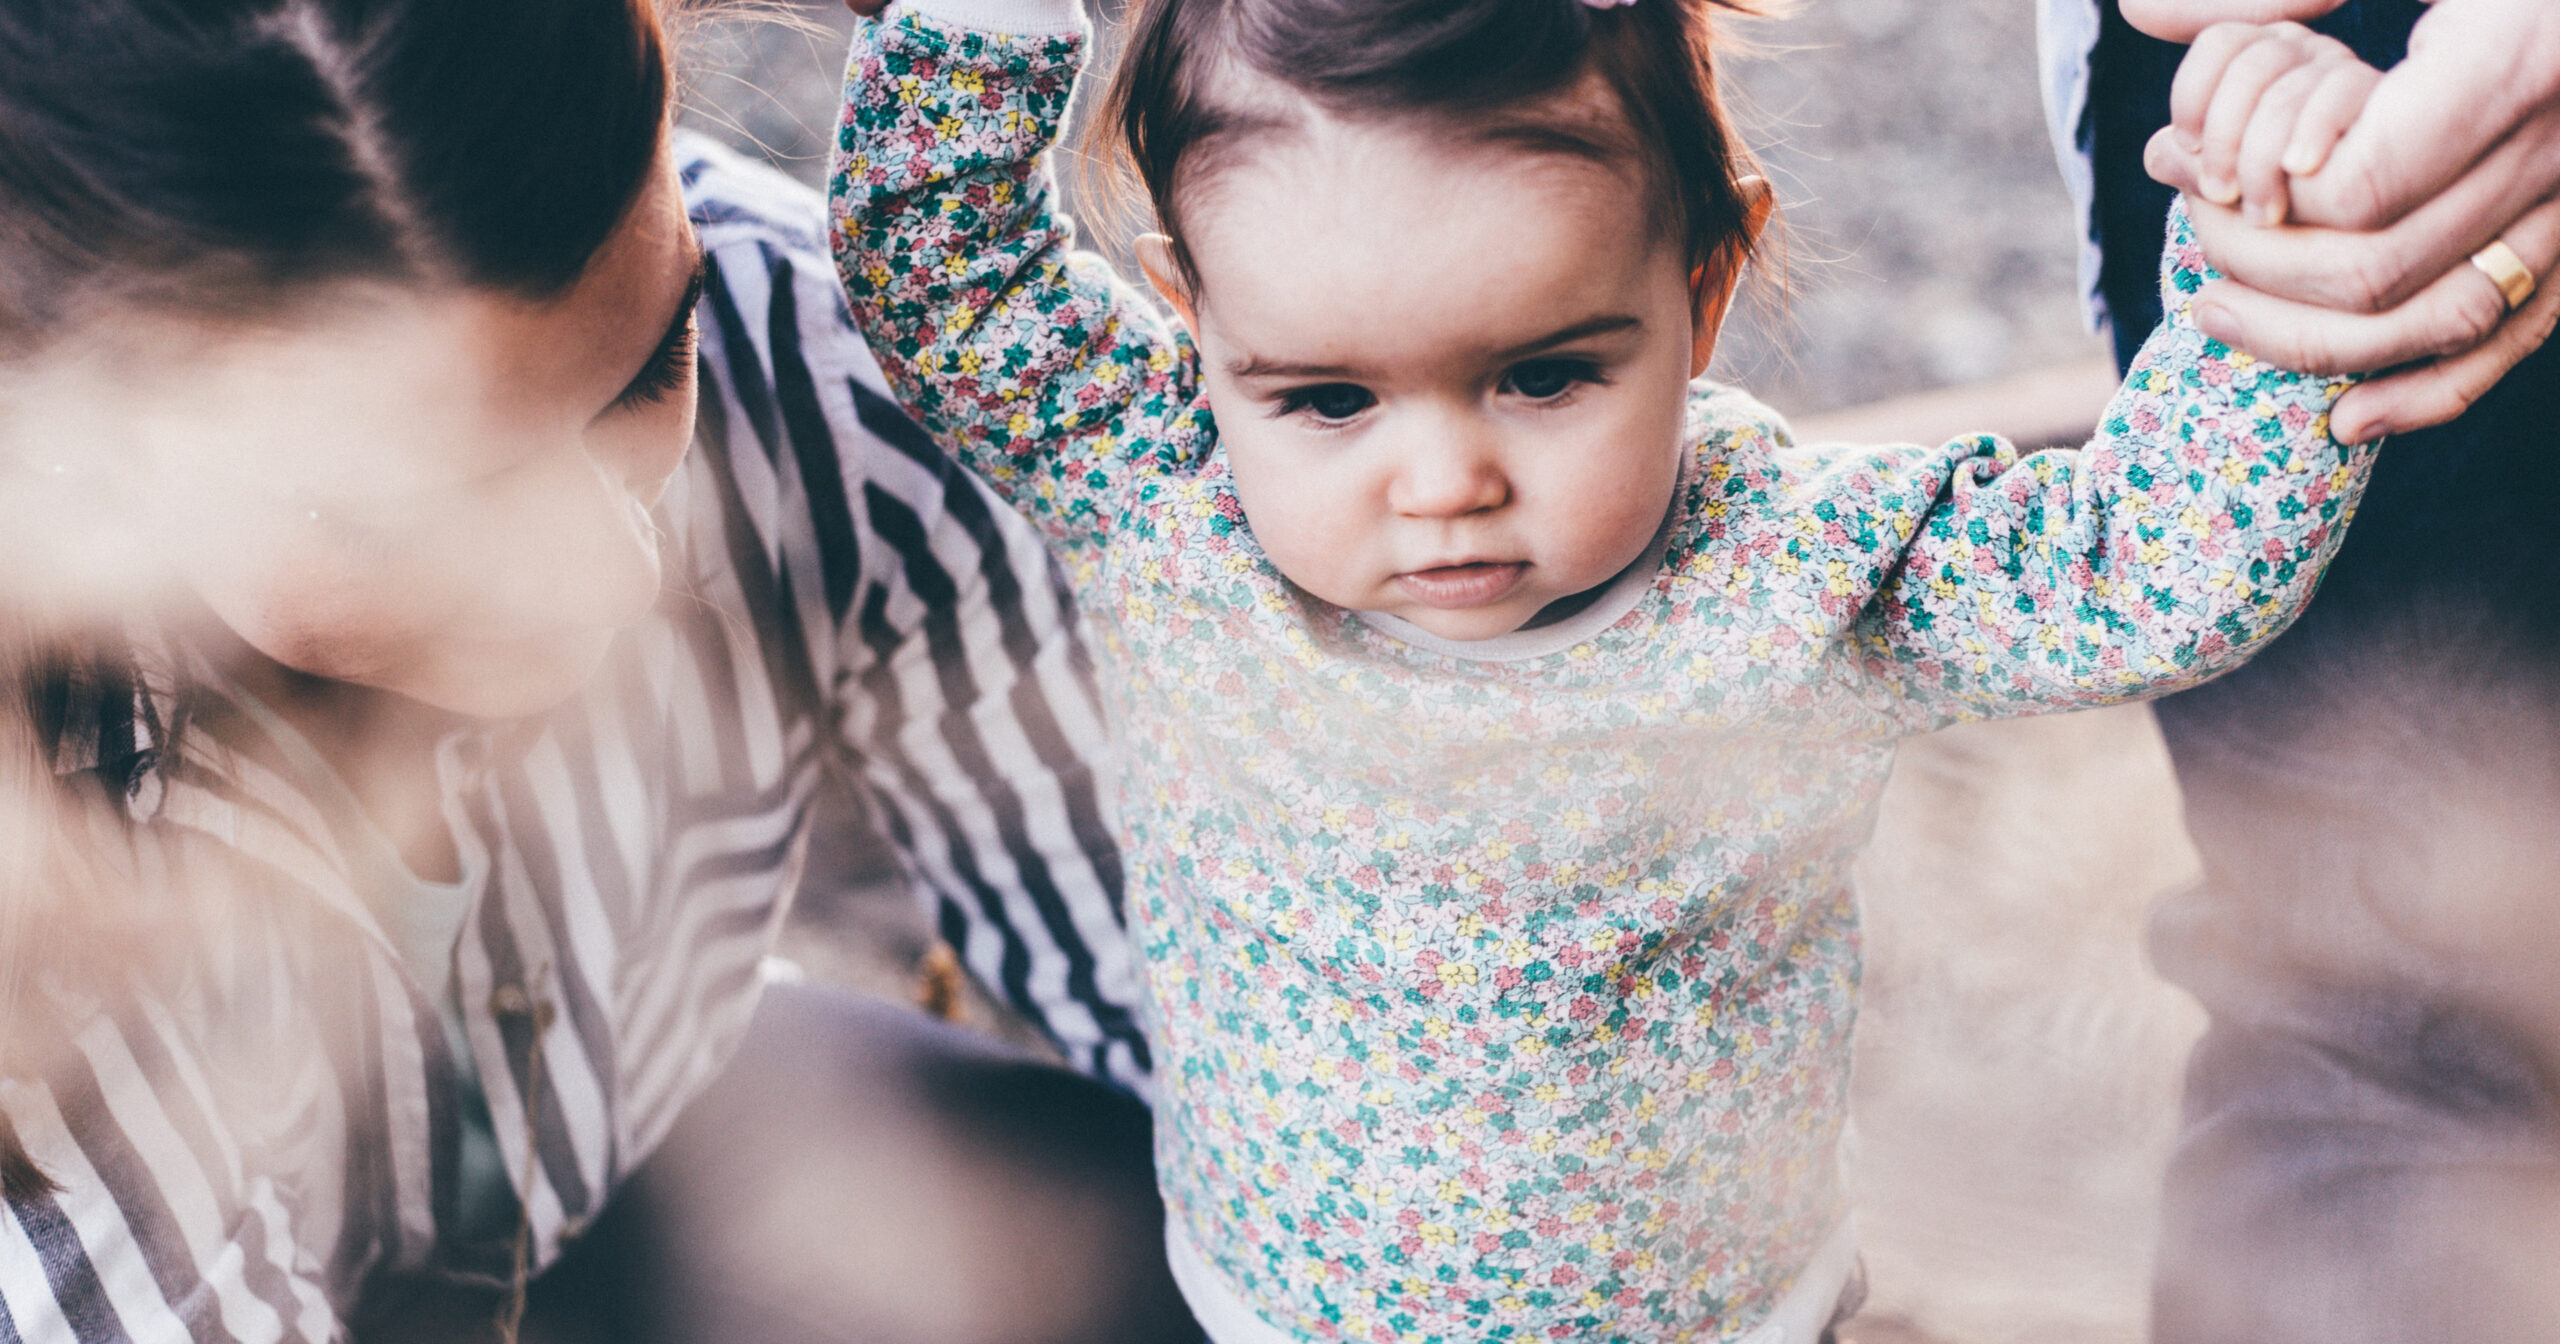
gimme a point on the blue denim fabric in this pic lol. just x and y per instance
(2372, 1140)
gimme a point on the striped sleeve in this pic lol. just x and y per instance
(941, 644)
(157, 1231)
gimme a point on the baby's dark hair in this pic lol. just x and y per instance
(1474, 64)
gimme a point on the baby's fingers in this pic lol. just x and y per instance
(2200, 74)
(2260, 168)
(2344, 89)
(2297, 121)
(2245, 82)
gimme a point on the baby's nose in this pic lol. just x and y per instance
(1448, 478)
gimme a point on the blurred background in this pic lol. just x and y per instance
(2017, 1070)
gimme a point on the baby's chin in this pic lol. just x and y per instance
(1470, 624)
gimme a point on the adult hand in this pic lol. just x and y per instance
(2481, 76)
(2458, 145)
(2475, 108)
(2455, 335)
(2182, 21)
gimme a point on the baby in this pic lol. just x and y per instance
(1503, 706)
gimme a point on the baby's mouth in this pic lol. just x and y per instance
(1458, 587)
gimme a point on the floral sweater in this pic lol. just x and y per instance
(1505, 992)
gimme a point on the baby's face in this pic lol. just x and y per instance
(1450, 377)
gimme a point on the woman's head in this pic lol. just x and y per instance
(367, 317)
(364, 320)
(1451, 265)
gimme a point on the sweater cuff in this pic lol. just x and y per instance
(1027, 18)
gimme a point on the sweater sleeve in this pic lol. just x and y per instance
(2189, 532)
(1030, 361)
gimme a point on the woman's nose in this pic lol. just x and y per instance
(1448, 475)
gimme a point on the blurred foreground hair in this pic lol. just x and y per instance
(215, 156)
(1486, 69)
(224, 160)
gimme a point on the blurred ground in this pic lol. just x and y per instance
(1928, 240)
(2017, 1061)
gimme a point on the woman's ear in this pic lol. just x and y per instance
(1155, 257)
(1712, 286)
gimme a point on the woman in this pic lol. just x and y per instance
(2371, 1150)
(410, 709)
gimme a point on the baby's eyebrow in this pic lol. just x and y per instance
(1267, 368)
(1596, 326)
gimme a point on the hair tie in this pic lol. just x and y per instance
(1607, 4)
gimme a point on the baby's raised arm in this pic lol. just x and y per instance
(1030, 361)
(2188, 532)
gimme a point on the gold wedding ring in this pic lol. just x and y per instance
(2507, 271)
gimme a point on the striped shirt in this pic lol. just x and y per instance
(264, 1113)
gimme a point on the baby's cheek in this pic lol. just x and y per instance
(1600, 521)
(1306, 523)
(1317, 546)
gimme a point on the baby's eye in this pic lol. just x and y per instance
(1328, 401)
(1547, 379)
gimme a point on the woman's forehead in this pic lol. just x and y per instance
(370, 387)
(588, 342)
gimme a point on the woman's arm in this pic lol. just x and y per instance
(941, 646)
(2189, 531)
(1032, 362)
(980, 737)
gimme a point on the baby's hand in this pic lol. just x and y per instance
(2260, 103)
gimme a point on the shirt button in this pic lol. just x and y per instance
(470, 759)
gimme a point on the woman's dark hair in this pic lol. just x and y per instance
(211, 154)
(1480, 67)
(221, 157)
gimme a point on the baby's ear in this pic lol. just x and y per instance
(1713, 285)
(1155, 257)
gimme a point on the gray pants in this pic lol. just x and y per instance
(862, 1174)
